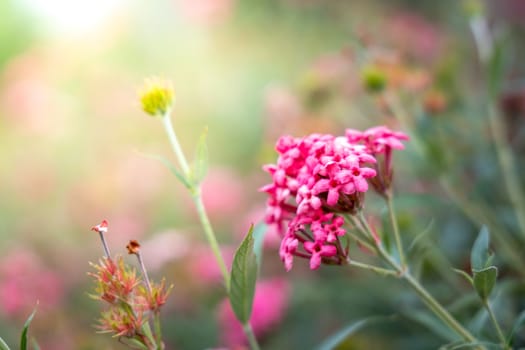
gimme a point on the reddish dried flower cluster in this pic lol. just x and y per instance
(131, 304)
(132, 301)
(317, 179)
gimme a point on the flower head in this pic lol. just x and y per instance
(315, 180)
(133, 247)
(101, 228)
(374, 79)
(157, 97)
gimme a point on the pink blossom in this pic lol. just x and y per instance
(269, 307)
(203, 265)
(222, 193)
(315, 177)
(24, 280)
(380, 141)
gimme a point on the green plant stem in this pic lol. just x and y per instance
(158, 329)
(376, 269)
(210, 235)
(168, 127)
(481, 215)
(508, 169)
(495, 322)
(425, 296)
(196, 193)
(485, 45)
(251, 336)
(395, 227)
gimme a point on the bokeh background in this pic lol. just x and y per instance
(74, 148)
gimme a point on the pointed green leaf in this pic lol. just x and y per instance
(520, 321)
(136, 343)
(3, 345)
(35, 344)
(243, 278)
(480, 255)
(23, 337)
(338, 338)
(431, 323)
(464, 274)
(200, 163)
(484, 281)
(171, 168)
(470, 345)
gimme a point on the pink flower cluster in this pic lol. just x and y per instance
(269, 307)
(316, 179)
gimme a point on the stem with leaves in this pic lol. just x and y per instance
(192, 181)
(425, 296)
(489, 56)
(195, 190)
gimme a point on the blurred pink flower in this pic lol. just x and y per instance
(164, 247)
(269, 307)
(222, 193)
(272, 237)
(24, 280)
(28, 97)
(206, 12)
(203, 266)
(283, 110)
(415, 35)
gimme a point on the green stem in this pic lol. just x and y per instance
(495, 322)
(484, 216)
(166, 121)
(251, 336)
(484, 44)
(210, 235)
(395, 227)
(508, 169)
(196, 193)
(158, 329)
(373, 268)
(197, 199)
(425, 296)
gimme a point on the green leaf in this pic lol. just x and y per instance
(259, 232)
(147, 331)
(495, 67)
(3, 345)
(138, 344)
(480, 255)
(23, 337)
(171, 168)
(431, 323)
(464, 274)
(338, 338)
(484, 281)
(470, 345)
(243, 278)
(35, 344)
(200, 163)
(520, 321)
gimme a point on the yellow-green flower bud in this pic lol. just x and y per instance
(473, 8)
(157, 96)
(373, 79)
